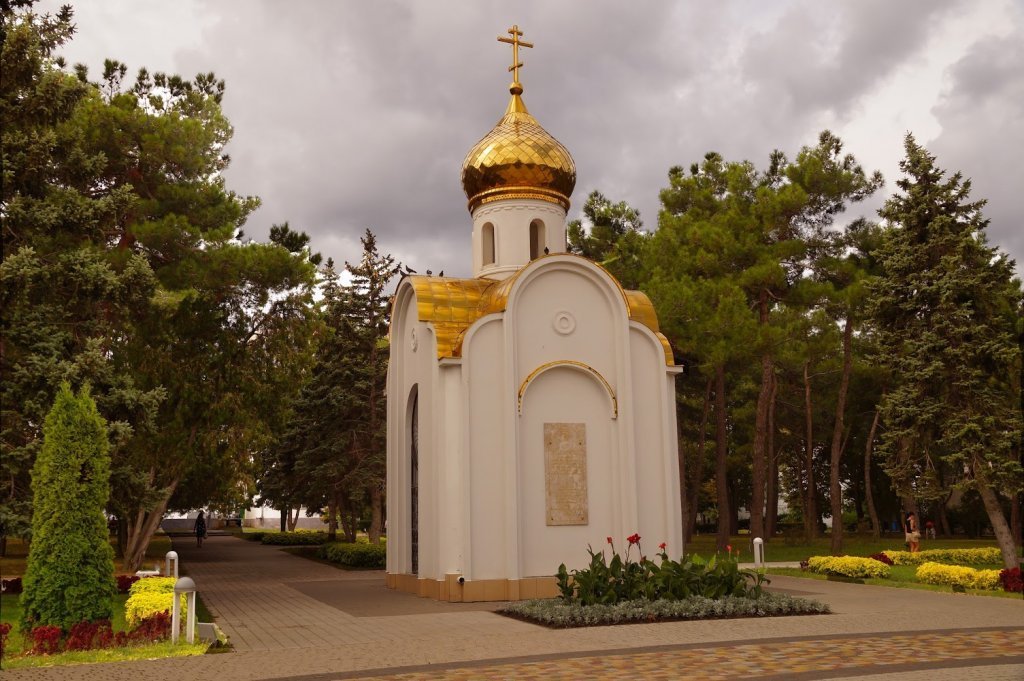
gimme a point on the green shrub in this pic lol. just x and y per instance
(354, 555)
(848, 566)
(254, 536)
(69, 577)
(153, 585)
(145, 604)
(298, 538)
(955, 575)
(949, 556)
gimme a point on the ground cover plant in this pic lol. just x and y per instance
(296, 538)
(848, 566)
(87, 642)
(621, 590)
(358, 555)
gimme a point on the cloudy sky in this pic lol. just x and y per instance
(350, 115)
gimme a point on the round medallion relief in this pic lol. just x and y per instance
(413, 343)
(564, 323)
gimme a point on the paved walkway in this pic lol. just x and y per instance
(290, 618)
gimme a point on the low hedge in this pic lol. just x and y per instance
(358, 555)
(297, 538)
(956, 575)
(848, 566)
(556, 613)
(253, 536)
(949, 556)
(145, 604)
(152, 585)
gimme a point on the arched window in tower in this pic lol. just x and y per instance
(537, 239)
(487, 237)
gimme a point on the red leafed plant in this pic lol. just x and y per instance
(124, 582)
(5, 629)
(89, 635)
(46, 639)
(1011, 579)
(11, 585)
(882, 558)
(156, 627)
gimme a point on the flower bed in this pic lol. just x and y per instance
(848, 566)
(556, 613)
(948, 556)
(357, 555)
(958, 576)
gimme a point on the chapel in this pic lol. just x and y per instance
(531, 408)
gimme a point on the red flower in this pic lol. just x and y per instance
(662, 546)
(633, 539)
(728, 548)
(609, 540)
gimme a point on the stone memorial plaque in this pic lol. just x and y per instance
(565, 473)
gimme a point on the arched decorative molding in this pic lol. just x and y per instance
(568, 364)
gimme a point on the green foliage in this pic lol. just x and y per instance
(559, 614)
(359, 555)
(848, 566)
(70, 572)
(299, 538)
(621, 579)
(612, 235)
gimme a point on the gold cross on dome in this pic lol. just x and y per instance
(516, 43)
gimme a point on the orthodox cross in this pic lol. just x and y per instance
(516, 43)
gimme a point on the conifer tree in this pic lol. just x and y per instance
(945, 312)
(70, 572)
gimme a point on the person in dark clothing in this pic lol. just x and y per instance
(200, 529)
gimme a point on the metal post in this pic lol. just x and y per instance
(186, 586)
(175, 617)
(172, 557)
(758, 552)
(190, 631)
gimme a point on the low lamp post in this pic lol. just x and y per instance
(758, 552)
(172, 557)
(187, 587)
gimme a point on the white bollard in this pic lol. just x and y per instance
(758, 552)
(184, 585)
(172, 557)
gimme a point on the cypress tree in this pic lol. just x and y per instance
(70, 573)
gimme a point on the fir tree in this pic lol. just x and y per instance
(945, 310)
(70, 572)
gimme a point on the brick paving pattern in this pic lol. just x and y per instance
(290, 618)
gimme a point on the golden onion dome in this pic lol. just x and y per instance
(518, 159)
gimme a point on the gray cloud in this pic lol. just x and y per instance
(355, 115)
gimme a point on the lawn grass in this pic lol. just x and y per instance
(781, 549)
(903, 577)
(14, 563)
(14, 657)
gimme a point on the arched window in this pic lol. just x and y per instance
(487, 236)
(537, 240)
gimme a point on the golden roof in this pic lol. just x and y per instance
(518, 159)
(452, 305)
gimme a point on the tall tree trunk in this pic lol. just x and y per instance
(376, 513)
(869, 497)
(759, 455)
(1015, 519)
(697, 474)
(721, 451)
(293, 520)
(944, 526)
(772, 484)
(810, 502)
(146, 525)
(285, 514)
(348, 521)
(999, 525)
(332, 516)
(835, 489)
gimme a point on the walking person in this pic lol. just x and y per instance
(912, 532)
(200, 529)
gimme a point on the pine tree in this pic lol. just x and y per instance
(945, 310)
(70, 572)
